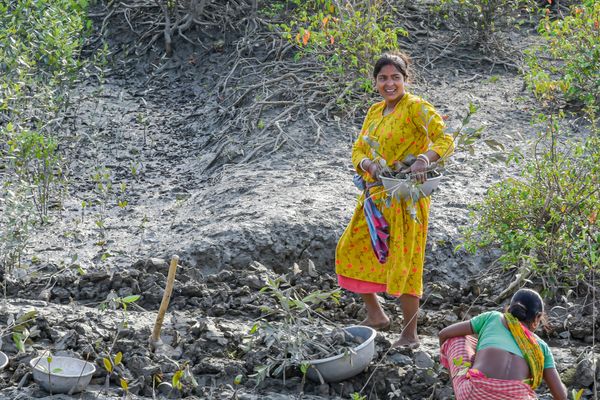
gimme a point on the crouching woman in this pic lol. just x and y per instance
(505, 360)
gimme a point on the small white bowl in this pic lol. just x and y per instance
(344, 366)
(3, 360)
(395, 186)
(65, 373)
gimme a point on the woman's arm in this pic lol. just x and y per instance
(552, 379)
(458, 329)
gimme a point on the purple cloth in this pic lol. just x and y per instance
(379, 231)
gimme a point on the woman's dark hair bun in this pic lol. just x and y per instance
(526, 305)
(518, 310)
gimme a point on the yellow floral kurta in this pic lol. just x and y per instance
(412, 128)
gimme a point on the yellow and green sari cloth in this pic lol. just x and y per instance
(532, 352)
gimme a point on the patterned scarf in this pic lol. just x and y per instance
(528, 344)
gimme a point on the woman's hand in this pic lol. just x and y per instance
(418, 170)
(371, 168)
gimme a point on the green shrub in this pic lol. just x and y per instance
(16, 221)
(545, 221)
(345, 40)
(35, 161)
(40, 42)
(567, 65)
(481, 20)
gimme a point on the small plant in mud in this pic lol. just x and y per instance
(182, 380)
(115, 302)
(17, 220)
(298, 335)
(18, 328)
(36, 164)
(111, 365)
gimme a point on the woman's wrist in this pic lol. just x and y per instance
(423, 157)
(364, 164)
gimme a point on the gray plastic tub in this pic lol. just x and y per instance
(344, 366)
(64, 374)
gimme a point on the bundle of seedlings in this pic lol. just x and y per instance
(293, 332)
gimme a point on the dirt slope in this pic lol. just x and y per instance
(150, 126)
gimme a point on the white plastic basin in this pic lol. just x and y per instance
(3, 360)
(64, 374)
(344, 366)
(395, 186)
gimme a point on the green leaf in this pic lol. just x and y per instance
(18, 340)
(457, 361)
(130, 299)
(238, 379)
(254, 328)
(107, 365)
(118, 358)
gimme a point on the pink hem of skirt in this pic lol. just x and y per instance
(359, 286)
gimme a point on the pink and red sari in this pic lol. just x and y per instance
(469, 383)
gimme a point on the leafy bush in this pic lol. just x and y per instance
(40, 45)
(545, 221)
(345, 40)
(482, 19)
(572, 70)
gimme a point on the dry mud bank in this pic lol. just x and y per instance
(147, 130)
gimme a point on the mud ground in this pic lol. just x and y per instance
(145, 128)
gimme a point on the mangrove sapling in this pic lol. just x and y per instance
(18, 328)
(299, 334)
(464, 138)
(115, 302)
(182, 380)
(110, 365)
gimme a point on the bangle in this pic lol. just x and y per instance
(424, 157)
(360, 164)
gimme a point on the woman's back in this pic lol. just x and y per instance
(498, 354)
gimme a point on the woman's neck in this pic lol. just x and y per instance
(390, 105)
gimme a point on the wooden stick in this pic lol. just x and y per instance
(155, 338)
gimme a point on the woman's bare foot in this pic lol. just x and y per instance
(380, 324)
(412, 342)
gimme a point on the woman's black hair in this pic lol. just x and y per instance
(397, 59)
(526, 305)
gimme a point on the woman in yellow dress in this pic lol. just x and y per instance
(402, 124)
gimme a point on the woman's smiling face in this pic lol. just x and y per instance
(390, 84)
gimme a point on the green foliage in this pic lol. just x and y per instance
(115, 302)
(41, 42)
(34, 160)
(16, 222)
(481, 19)
(546, 219)
(290, 339)
(19, 327)
(567, 65)
(345, 40)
